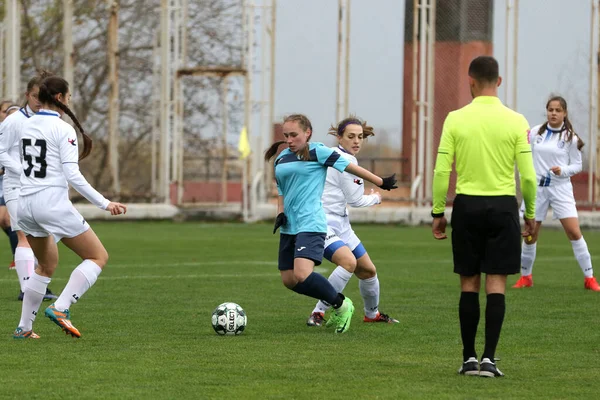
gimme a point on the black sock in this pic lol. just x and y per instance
(494, 317)
(315, 285)
(468, 314)
(12, 236)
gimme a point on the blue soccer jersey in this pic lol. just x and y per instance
(301, 184)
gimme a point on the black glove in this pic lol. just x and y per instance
(279, 221)
(389, 183)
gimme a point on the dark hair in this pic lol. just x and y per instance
(35, 81)
(484, 69)
(305, 125)
(49, 89)
(568, 126)
(351, 120)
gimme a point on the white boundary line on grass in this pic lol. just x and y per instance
(320, 269)
(273, 274)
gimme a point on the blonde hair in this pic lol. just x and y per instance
(305, 125)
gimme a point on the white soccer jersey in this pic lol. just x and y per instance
(551, 149)
(10, 146)
(51, 157)
(343, 188)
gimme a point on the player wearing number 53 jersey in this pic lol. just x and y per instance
(10, 158)
(50, 163)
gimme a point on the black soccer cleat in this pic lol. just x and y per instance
(49, 295)
(488, 369)
(470, 367)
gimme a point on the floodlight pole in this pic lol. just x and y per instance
(343, 61)
(593, 165)
(113, 101)
(68, 43)
(165, 101)
(13, 49)
(268, 169)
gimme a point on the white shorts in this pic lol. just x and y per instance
(560, 198)
(11, 198)
(50, 212)
(340, 233)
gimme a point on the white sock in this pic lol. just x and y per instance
(369, 290)
(339, 279)
(82, 278)
(34, 292)
(582, 255)
(527, 258)
(24, 261)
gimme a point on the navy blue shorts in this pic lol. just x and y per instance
(308, 245)
(2, 202)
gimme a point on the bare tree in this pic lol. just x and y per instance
(214, 38)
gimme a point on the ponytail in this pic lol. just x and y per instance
(271, 151)
(49, 88)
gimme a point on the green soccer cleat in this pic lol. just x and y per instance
(342, 316)
(62, 319)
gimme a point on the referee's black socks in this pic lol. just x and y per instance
(494, 317)
(468, 314)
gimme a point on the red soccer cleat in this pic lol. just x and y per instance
(591, 284)
(524, 281)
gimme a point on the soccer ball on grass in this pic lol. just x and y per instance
(229, 319)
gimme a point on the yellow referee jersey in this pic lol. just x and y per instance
(486, 138)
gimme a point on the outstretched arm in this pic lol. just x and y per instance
(364, 173)
(387, 183)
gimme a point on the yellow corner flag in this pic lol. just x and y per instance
(244, 144)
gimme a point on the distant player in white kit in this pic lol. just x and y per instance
(342, 246)
(10, 157)
(556, 157)
(46, 215)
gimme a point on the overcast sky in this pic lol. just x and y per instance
(549, 61)
(307, 55)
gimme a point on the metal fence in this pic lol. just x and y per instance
(173, 135)
(442, 37)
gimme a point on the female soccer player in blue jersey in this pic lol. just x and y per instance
(300, 172)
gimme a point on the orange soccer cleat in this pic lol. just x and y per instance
(62, 319)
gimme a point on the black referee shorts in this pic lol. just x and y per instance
(486, 235)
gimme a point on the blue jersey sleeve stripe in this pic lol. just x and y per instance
(341, 164)
(331, 160)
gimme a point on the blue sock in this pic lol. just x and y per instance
(315, 285)
(12, 236)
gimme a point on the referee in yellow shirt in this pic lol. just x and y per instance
(485, 138)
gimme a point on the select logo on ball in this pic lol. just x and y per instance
(229, 319)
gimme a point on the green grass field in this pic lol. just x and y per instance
(147, 334)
